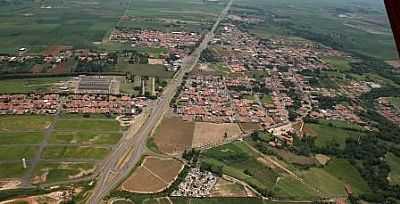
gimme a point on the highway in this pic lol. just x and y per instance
(119, 164)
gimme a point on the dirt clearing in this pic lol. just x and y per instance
(211, 134)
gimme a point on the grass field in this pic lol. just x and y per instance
(328, 184)
(23, 123)
(368, 33)
(333, 134)
(11, 170)
(63, 152)
(62, 171)
(87, 124)
(290, 188)
(394, 163)
(152, 70)
(17, 152)
(32, 85)
(343, 170)
(240, 162)
(20, 137)
(85, 137)
(338, 63)
(36, 24)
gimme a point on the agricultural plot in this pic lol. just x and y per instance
(37, 24)
(85, 137)
(11, 152)
(12, 170)
(174, 135)
(289, 188)
(211, 134)
(328, 184)
(20, 138)
(338, 63)
(87, 124)
(154, 175)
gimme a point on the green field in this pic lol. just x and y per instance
(394, 163)
(87, 124)
(20, 137)
(14, 170)
(62, 171)
(331, 133)
(343, 170)
(338, 63)
(239, 161)
(31, 85)
(85, 137)
(369, 33)
(23, 123)
(328, 184)
(64, 152)
(152, 70)
(290, 188)
(37, 24)
(17, 152)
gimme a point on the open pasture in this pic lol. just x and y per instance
(87, 124)
(85, 137)
(81, 152)
(24, 123)
(30, 85)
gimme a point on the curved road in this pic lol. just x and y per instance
(129, 150)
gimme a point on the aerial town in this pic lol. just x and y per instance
(198, 101)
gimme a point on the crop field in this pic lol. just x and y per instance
(12, 170)
(154, 175)
(345, 24)
(206, 134)
(174, 135)
(328, 184)
(37, 24)
(394, 163)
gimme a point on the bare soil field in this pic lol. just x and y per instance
(249, 127)
(210, 134)
(167, 169)
(154, 175)
(142, 181)
(224, 188)
(174, 135)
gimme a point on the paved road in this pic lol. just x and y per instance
(129, 150)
